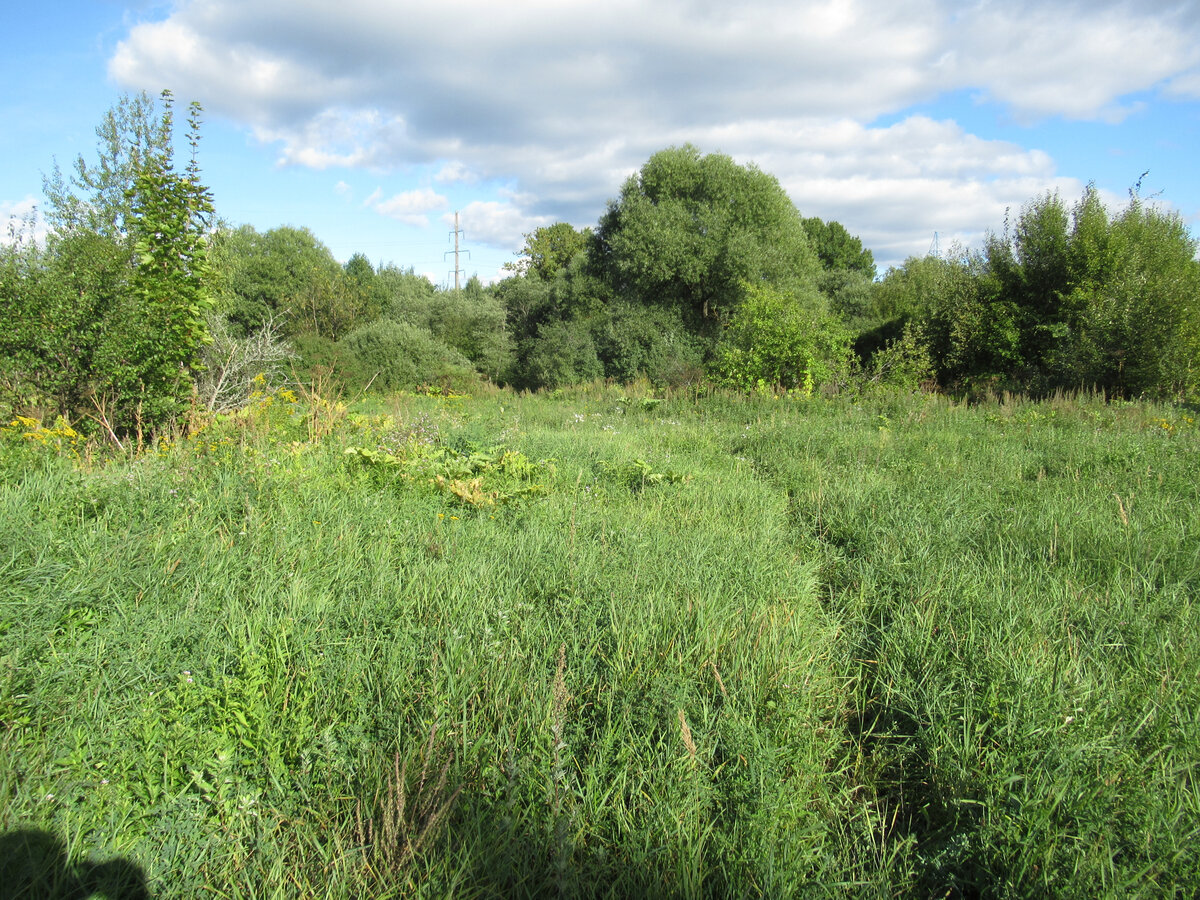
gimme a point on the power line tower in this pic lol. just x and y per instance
(455, 233)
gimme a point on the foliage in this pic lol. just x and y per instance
(1065, 300)
(390, 355)
(549, 250)
(109, 319)
(690, 231)
(96, 198)
(837, 249)
(487, 477)
(287, 274)
(646, 342)
(904, 362)
(407, 296)
(154, 340)
(473, 323)
(59, 304)
(782, 340)
(563, 352)
(1134, 307)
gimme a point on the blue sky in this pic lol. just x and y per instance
(372, 123)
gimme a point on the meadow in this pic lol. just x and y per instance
(596, 642)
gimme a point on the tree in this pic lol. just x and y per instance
(360, 269)
(549, 250)
(1107, 302)
(152, 350)
(473, 323)
(837, 248)
(57, 306)
(287, 274)
(109, 319)
(96, 198)
(692, 231)
(782, 340)
(1133, 313)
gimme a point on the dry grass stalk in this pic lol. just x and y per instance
(407, 819)
(1121, 509)
(687, 735)
(720, 683)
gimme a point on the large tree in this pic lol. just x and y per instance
(692, 231)
(837, 248)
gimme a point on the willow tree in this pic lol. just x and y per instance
(691, 231)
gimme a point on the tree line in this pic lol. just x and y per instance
(141, 303)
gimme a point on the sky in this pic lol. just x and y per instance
(915, 123)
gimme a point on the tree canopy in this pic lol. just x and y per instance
(692, 230)
(549, 250)
(837, 248)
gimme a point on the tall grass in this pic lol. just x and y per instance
(726, 647)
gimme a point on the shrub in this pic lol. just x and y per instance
(392, 355)
(634, 341)
(782, 340)
(472, 322)
(562, 353)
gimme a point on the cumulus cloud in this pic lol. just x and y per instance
(564, 99)
(410, 207)
(454, 173)
(498, 223)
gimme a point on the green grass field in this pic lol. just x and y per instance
(598, 644)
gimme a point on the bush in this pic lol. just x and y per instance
(562, 353)
(472, 322)
(392, 355)
(645, 341)
(782, 340)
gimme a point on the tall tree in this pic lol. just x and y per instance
(837, 248)
(691, 231)
(153, 346)
(549, 250)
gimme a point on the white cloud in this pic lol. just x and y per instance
(497, 223)
(410, 207)
(454, 173)
(568, 97)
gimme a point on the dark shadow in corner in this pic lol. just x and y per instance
(34, 866)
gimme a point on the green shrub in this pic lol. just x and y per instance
(392, 355)
(638, 341)
(782, 340)
(472, 322)
(562, 353)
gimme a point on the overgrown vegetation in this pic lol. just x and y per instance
(612, 644)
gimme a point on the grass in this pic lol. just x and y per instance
(701, 647)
